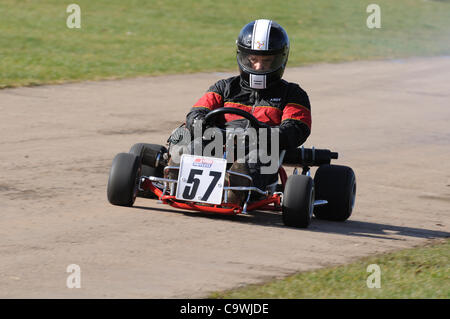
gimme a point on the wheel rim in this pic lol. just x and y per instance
(353, 197)
(136, 183)
(311, 203)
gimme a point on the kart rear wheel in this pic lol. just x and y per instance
(123, 179)
(337, 185)
(147, 152)
(298, 201)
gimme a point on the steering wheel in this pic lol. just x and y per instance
(212, 116)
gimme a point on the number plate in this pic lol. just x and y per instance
(201, 179)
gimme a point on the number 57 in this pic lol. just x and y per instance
(189, 193)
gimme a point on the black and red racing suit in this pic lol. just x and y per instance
(284, 105)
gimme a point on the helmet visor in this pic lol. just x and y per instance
(260, 64)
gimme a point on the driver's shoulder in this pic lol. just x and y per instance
(296, 95)
(294, 88)
(223, 85)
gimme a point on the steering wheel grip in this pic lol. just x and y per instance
(211, 116)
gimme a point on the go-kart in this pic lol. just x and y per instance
(199, 185)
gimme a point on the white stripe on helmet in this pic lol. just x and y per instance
(261, 32)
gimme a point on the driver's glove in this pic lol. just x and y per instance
(196, 122)
(198, 128)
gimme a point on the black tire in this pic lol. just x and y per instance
(124, 179)
(337, 185)
(145, 152)
(298, 201)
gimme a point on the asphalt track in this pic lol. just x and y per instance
(389, 121)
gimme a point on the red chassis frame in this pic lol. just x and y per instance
(226, 209)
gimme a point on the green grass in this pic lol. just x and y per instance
(422, 272)
(134, 38)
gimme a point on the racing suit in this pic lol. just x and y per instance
(283, 105)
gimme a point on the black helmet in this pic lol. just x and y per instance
(262, 53)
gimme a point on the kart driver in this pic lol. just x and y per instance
(262, 55)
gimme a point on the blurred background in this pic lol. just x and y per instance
(131, 38)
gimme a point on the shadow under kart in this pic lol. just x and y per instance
(330, 195)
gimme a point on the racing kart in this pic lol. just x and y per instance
(200, 186)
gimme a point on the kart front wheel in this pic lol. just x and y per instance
(147, 154)
(337, 185)
(123, 179)
(298, 201)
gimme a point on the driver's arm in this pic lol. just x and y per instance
(296, 121)
(211, 100)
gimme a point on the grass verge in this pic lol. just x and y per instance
(422, 272)
(134, 38)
